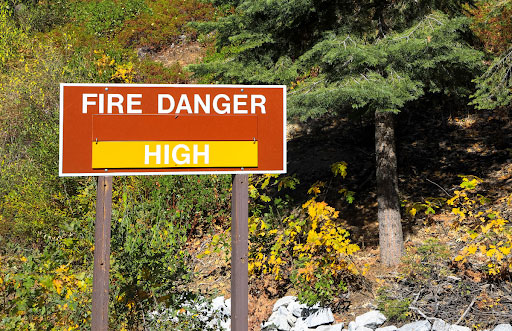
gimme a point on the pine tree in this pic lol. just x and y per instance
(364, 57)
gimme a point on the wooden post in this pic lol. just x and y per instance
(239, 251)
(99, 316)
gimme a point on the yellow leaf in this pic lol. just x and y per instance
(57, 283)
(472, 249)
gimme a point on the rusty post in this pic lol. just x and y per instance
(99, 316)
(239, 251)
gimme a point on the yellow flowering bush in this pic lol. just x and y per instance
(487, 235)
(112, 71)
(309, 242)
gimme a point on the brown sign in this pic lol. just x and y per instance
(130, 129)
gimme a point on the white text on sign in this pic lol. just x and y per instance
(221, 104)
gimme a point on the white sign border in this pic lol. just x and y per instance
(206, 172)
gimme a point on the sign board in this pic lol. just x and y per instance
(132, 129)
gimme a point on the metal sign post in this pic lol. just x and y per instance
(239, 251)
(99, 317)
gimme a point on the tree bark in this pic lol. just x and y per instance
(390, 226)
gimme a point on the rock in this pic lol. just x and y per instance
(423, 325)
(387, 328)
(352, 326)
(142, 52)
(320, 317)
(227, 304)
(440, 325)
(285, 301)
(363, 328)
(291, 319)
(371, 319)
(226, 325)
(300, 325)
(503, 327)
(278, 320)
(458, 328)
(296, 308)
(335, 327)
(218, 303)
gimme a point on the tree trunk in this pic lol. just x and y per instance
(390, 226)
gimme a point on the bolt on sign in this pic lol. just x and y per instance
(132, 129)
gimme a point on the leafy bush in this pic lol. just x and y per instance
(487, 236)
(104, 17)
(308, 242)
(33, 197)
(395, 309)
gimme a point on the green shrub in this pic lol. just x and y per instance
(394, 309)
(104, 17)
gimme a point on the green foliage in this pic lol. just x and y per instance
(394, 309)
(13, 38)
(387, 74)
(344, 56)
(495, 85)
(104, 17)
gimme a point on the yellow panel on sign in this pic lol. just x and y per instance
(174, 154)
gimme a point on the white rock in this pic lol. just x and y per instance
(279, 319)
(218, 304)
(296, 308)
(320, 317)
(352, 326)
(291, 319)
(423, 325)
(440, 325)
(226, 325)
(363, 328)
(335, 327)
(458, 328)
(371, 319)
(387, 328)
(300, 325)
(503, 327)
(285, 301)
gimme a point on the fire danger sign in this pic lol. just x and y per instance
(132, 129)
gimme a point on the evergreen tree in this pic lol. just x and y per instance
(365, 57)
